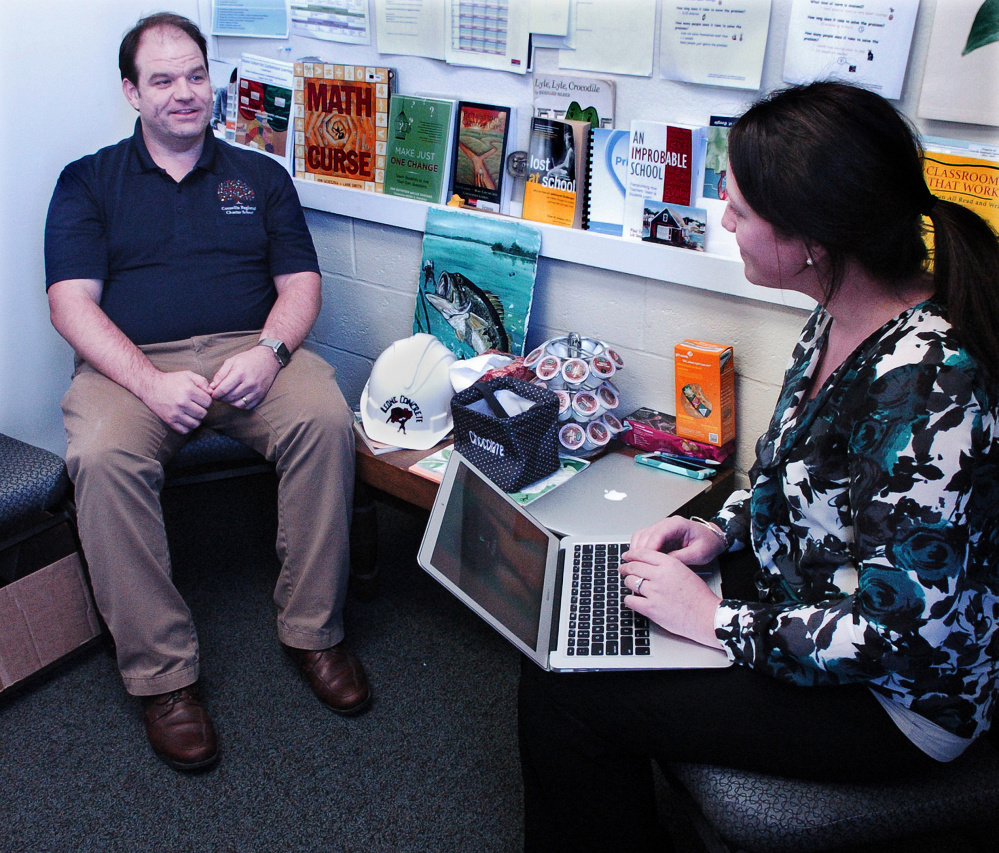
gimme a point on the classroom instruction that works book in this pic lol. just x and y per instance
(341, 115)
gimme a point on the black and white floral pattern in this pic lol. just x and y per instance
(873, 512)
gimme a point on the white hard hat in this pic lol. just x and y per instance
(407, 399)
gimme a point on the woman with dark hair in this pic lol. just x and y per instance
(869, 647)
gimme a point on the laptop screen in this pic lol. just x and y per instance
(490, 551)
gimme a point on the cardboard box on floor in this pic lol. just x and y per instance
(46, 609)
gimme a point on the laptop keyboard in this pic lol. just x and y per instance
(599, 622)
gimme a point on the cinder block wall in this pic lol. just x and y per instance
(370, 277)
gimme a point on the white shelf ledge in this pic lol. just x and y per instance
(661, 263)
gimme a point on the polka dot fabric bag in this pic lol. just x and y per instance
(508, 429)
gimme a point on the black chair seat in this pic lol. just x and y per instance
(767, 814)
(32, 482)
(210, 455)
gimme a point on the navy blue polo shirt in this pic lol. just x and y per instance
(178, 259)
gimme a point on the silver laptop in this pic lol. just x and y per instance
(613, 494)
(530, 586)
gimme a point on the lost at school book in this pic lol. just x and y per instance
(341, 115)
(418, 154)
(555, 190)
(665, 163)
(481, 134)
(606, 182)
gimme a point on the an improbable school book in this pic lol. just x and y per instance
(555, 191)
(481, 134)
(341, 115)
(418, 153)
(574, 98)
(964, 172)
(665, 163)
(264, 107)
(606, 181)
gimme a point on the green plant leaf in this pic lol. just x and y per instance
(985, 29)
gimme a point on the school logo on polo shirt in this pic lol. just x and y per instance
(237, 198)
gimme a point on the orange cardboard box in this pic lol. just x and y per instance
(705, 391)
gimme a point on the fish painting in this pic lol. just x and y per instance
(475, 314)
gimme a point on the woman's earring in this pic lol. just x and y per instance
(808, 262)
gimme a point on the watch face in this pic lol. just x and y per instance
(279, 349)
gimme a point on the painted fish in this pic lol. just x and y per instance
(475, 314)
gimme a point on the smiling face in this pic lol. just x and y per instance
(174, 93)
(771, 259)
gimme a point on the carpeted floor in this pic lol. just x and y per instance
(432, 766)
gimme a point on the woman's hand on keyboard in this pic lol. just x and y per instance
(670, 594)
(690, 542)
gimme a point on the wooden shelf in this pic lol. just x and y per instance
(661, 263)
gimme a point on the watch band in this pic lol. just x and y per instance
(278, 348)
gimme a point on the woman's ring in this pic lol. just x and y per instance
(638, 586)
(246, 402)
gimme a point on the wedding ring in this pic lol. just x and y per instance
(246, 402)
(638, 586)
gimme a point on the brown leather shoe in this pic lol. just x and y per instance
(180, 730)
(335, 676)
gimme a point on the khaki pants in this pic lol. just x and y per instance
(116, 452)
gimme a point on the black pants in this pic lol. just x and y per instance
(587, 740)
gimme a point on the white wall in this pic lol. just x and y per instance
(62, 99)
(371, 270)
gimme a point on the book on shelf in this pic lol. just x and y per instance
(432, 467)
(558, 96)
(964, 172)
(716, 157)
(606, 180)
(555, 190)
(677, 225)
(418, 151)
(264, 106)
(478, 157)
(665, 163)
(341, 123)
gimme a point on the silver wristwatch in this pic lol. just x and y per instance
(278, 348)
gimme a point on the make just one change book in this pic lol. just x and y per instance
(419, 148)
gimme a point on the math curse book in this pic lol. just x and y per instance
(419, 148)
(341, 114)
(480, 138)
(556, 172)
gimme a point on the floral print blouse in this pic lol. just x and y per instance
(873, 513)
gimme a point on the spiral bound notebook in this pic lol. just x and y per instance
(607, 178)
